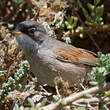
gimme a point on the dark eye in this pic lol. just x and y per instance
(31, 31)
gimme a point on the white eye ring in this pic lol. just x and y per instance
(31, 30)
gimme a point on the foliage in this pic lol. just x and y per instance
(39, 105)
(14, 83)
(99, 74)
(101, 70)
(33, 105)
(84, 2)
(96, 13)
(1, 75)
(71, 22)
(80, 29)
(18, 1)
(19, 10)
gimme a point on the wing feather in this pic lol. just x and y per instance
(75, 55)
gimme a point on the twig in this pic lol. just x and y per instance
(57, 91)
(93, 101)
(4, 71)
(74, 97)
(90, 30)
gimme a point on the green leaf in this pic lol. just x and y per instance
(96, 2)
(87, 96)
(93, 83)
(18, 1)
(31, 102)
(1, 75)
(107, 93)
(103, 106)
(75, 22)
(69, 27)
(89, 23)
(90, 6)
(66, 23)
(71, 20)
(100, 10)
(81, 35)
(86, 14)
(44, 101)
(55, 97)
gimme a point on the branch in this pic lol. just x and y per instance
(85, 101)
(74, 97)
(90, 30)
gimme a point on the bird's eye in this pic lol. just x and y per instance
(31, 30)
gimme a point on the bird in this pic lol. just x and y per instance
(50, 58)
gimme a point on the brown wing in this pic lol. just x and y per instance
(76, 56)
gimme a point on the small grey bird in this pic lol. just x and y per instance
(50, 58)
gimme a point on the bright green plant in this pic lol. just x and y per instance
(81, 30)
(71, 22)
(96, 12)
(2, 75)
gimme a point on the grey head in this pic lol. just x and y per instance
(30, 34)
(32, 29)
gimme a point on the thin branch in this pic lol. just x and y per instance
(83, 102)
(74, 97)
(90, 30)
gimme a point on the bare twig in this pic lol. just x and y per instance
(90, 30)
(57, 91)
(74, 97)
(93, 101)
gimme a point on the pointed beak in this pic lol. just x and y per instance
(16, 32)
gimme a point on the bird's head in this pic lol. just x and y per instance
(30, 28)
(29, 34)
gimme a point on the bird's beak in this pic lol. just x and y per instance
(16, 32)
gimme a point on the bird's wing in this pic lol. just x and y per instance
(75, 55)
